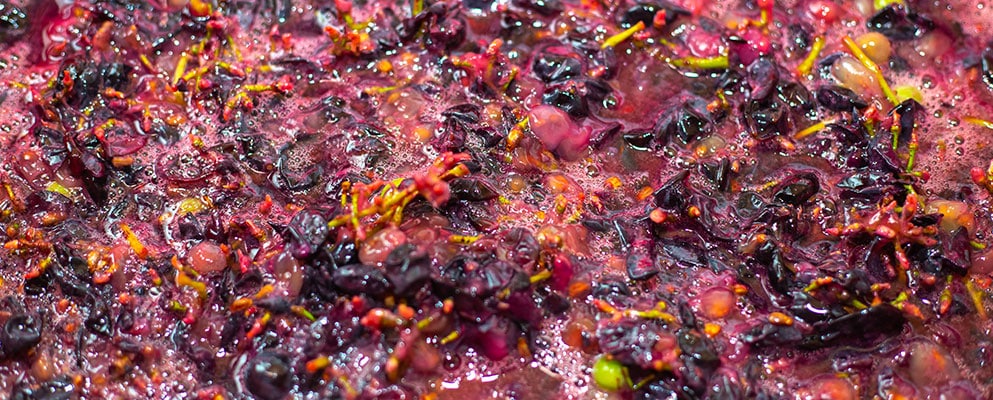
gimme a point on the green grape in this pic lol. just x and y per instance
(610, 375)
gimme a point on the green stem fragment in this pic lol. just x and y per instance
(717, 62)
(56, 187)
(911, 156)
(451, 337)
(619, 38)
(869, 127)
(900, 299)
(257, 88)
(655, 314)
(180, 68)
(895, 131)
(808, 63)
(541, 276)
(381, 89)
(177, 306)
(881, 4)
(977, 297)
(425, 322)
(810, 130)
(299, 310)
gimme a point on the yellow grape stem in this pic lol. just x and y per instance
(871, 65)
(808, 63)
(717, 62)
(621, 37)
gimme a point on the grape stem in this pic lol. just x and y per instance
(871, 65)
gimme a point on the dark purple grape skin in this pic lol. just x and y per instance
(866, 185)
(360, 279)
(796, 96)
(307, 231)
(658, 389)
(13, 22)
(60, 388)
(472, 189)
(567, 97)
(719, 173)
(99, 320)
(255, 151)
(870, 323)
(911, 114)
(477, 4)
(690, 126)
(629, 341)
(640, 266)
(764, 76)
(672, 195)
(770, 258)
(190, 228)
(639, 140)
(522, 247)
(286, 178)
(732, 83)
(767, 335)
(544, 7)
(461, 122)
(89, 79)
(611, 290)
(749, 204)
(797, 189)
(344, 253)
(20, 333)
(408, 269)
(811, 309)
(837, 98)
(645, 13)
(85, 83)
(766, 118)
(699, 358)
(900, 24)
(446, 33)
(957, 252)
(116, 76)
(465, 113)
(686, 252)
(953, 255)
(986, 66)
(552, 67)
(800, 35)
(486, 280)
(269, 376)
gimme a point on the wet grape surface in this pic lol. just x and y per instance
(431, 199)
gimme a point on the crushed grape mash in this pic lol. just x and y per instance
(524, 199)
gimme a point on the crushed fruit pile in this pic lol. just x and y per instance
(527, 199)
